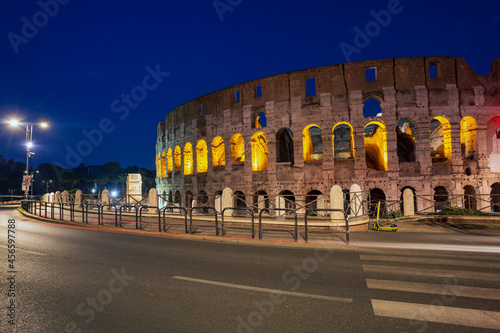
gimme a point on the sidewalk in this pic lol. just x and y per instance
(442, 233)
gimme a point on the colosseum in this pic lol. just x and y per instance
(379, 128)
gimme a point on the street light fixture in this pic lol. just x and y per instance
(29, 144)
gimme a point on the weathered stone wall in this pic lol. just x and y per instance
(403, 86)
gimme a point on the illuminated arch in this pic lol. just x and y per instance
(406, 141)
(238, 148)
(201, 157)
(259, 152)
(440, 139)
(376, 146)
(312, 143)
(188, 159)
(468, 137)
(163, 165)
(169, 161)
(218, 152)
(158, 165)
(177, 159)
(343, 141)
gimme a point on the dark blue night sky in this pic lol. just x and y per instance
(78, 66)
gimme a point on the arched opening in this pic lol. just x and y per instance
(178, 198)
(238, 148)
(259, 152)
(346, 194)
(343, 141)
(218, 201)
(313, 199)
(203, 201)
(169, 161)
(201, 157)
(470, 201)
(493, 143)
(406, 141)
(440, 139)
(414, 198)
(170, 197)
(372, 108)
(468, 137)
(260, 201)
(177, 159)
(312, 143)
(286, 200)
(218, 152)
(495, 197)
(440, 198)
(376, 196)
(188, 159)
(376, 146)
(239, 200)
(158, 165)
(284, 146)
(163, 165)
(261, 120)
(163, 199)
(188, 203)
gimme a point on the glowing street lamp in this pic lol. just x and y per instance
(29, 144)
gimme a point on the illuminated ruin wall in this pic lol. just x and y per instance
(425, 123)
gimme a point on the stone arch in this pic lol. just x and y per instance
(188, 199)
(493, 143)
(170, 196)
(406, 141)
(163, 165)
(376, 146)
(260, 201)
(356, 199)
(343, 141)
(376, 195)
(239, 200)
(440, 139)
(201, 156)
(315, 200)
(285, 199)
(470, 201)
(441, 198)
(372, 108)
(284, 146)
(468, 137)
(404, 204)
(494, 197)
(178, 198)
(260, 120)
(188, 159)
(259, 152)
(312, 143)
(177, 159)
(169, 161)
(218, 201)
(238, 148)
(218, 152)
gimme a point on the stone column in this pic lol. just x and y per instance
(336, 202)
(227, 200)
(408, 203)
(153, 199)
(105, 198)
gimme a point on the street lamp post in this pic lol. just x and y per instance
(29, 144)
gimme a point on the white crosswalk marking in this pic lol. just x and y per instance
(441, 310)
(436, 313)
(432, 272)
(438, 289)
(436, 261)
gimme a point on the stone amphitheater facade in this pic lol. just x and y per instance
(428, 124)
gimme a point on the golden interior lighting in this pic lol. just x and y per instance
(260, 152)
(177, 159)
(218, 152)
(169, 161)
(238, 148)
(376, 146)
(468, 136)
(188, 159)
(201, 157)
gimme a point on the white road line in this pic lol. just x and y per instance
(437, 314)
(431, 272)
(265, 290)
(438, 289)
(435, 261)
(32, 252)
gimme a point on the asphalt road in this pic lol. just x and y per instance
(70, 279)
